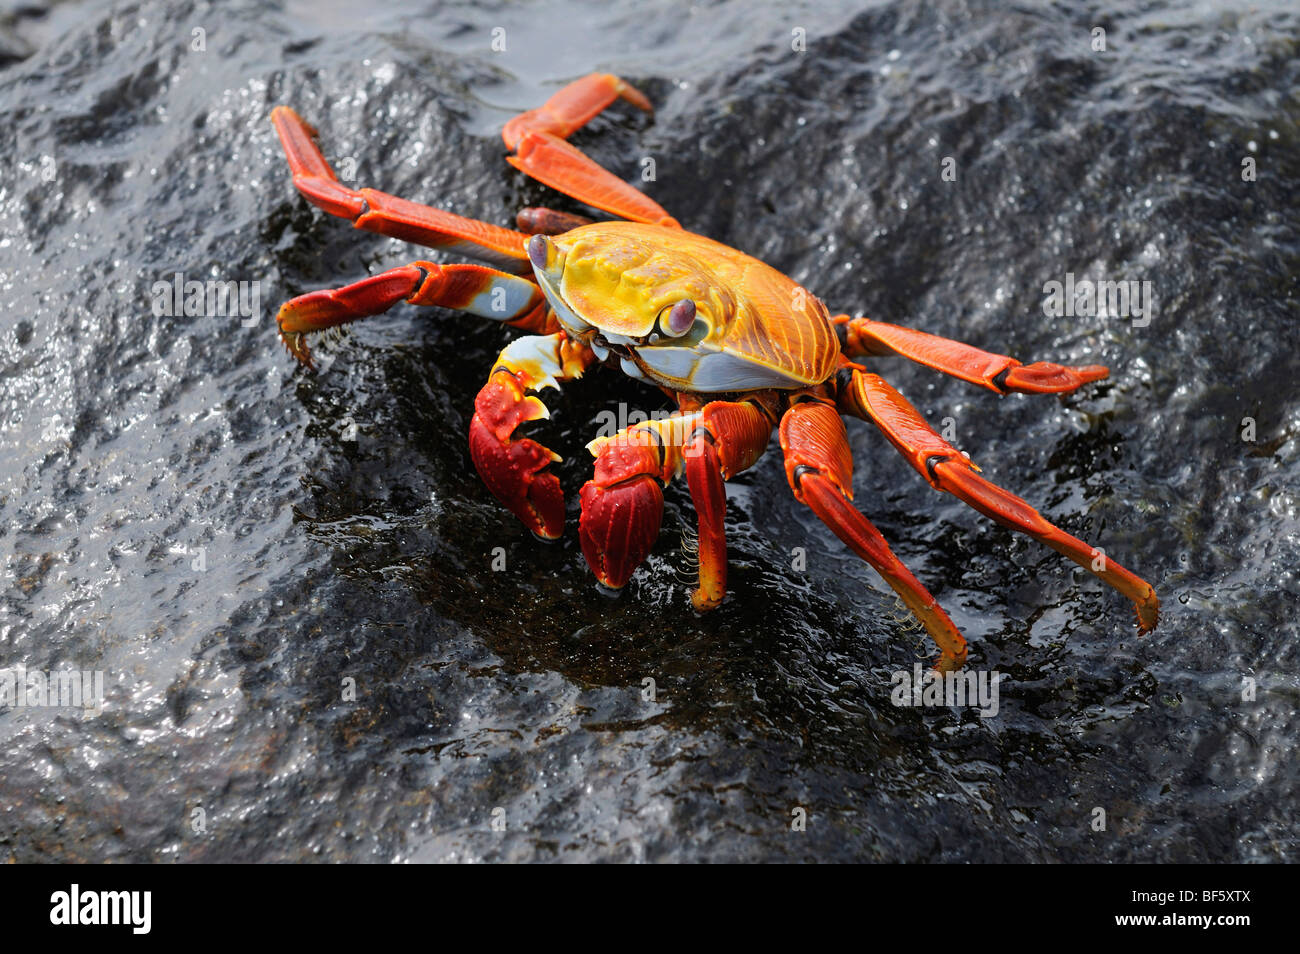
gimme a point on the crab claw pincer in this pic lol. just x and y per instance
(622, 507)
(515, 469)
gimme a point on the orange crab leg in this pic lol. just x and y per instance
(537, 138)
(870, 397)
(819, 468)
(997, 372)
(387, 214)
(727, 439)
(516, 469)
(573, 107)
(542, 221)
(471, 288)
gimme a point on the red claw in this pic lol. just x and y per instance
(515, 469)
(618, 527)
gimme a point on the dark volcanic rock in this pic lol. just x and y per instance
(231, 540)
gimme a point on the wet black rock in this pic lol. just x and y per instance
(238, 545)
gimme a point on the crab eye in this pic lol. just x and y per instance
(537, 249)
(679, 319)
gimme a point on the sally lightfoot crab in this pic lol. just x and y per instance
(739, 347)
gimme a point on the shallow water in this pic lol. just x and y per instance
(229, 538)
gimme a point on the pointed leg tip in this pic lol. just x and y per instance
(296, 344)
(1046, 377)
(1148, 614)
(950, 662)
(632, 95)
(703, 602)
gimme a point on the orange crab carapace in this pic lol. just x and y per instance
(739, 347)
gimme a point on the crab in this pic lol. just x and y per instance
(740, 348)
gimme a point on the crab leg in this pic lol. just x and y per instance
(471, 288)
(870, 397)
(387, 214)
(728, 438)
(622, 504)
(537, 138)
(573, 107)
(996, 372)
(819, 468)
(514, 468)
(542, 221)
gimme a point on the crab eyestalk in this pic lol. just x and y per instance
(539, 250)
